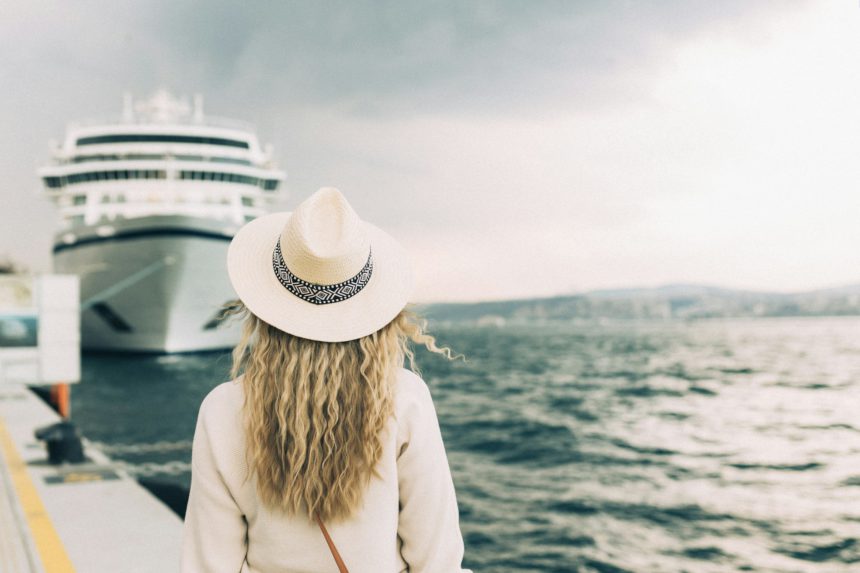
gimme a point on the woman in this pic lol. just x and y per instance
(324, 434)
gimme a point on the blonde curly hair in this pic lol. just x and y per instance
(314, 412)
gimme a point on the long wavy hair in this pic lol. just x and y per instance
(314, 412)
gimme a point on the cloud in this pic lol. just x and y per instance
(576, 144)
(384, 57)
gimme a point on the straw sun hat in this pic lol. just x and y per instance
(320, 272)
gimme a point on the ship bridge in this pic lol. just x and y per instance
(163, 156)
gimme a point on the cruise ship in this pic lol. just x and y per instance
(148, 204)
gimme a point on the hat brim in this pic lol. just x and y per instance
(249, 265)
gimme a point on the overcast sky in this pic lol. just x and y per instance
(516, 148)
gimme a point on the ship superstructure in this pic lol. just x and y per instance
(148, 204)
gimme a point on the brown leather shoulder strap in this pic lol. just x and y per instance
(341, 566)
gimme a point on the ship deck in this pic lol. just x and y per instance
(89, 517)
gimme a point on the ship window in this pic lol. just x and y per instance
(218, 176)
(77, 219)
(112, 175)
(79, 199)
(247, 202)
(270, 184)
(159, 138)
(53, 182)
(157, 157)
(231, 160)
(84, 158)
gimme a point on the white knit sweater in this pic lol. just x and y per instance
(408, 522)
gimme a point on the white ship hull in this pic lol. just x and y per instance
(152, 284)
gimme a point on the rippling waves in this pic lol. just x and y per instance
(712, 446)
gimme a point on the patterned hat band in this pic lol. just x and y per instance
(317, 293)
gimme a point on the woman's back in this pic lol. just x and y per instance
(321, 423)
(408, 519)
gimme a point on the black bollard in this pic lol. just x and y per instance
(63, 441)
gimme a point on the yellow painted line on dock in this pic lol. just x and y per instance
(48, 543)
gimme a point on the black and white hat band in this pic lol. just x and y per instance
(318, 293)
(290, 268)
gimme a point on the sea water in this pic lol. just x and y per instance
(706, 446)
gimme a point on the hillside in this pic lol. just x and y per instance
(665, 302)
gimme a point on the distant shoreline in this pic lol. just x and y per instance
(685, 302)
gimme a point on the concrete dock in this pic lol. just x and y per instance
(89, 518)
